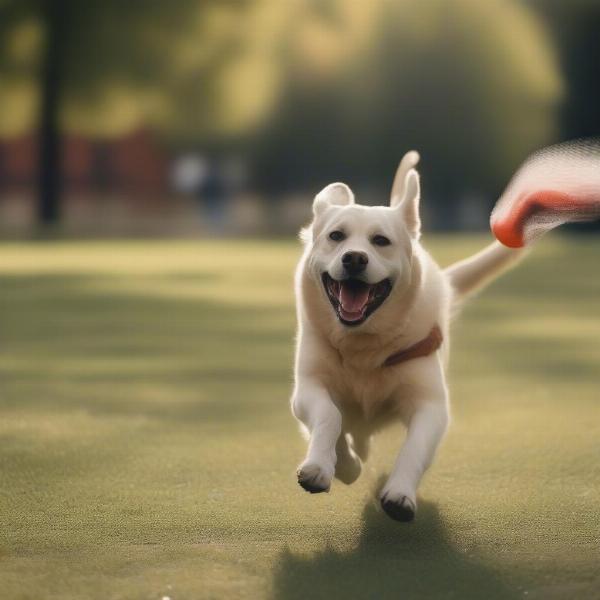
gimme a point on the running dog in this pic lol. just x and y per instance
(373, 313)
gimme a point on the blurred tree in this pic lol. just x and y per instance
(195, 69)
(473, 85)
(576, 27)
(260, 47)
(80, 54)
(103, 67)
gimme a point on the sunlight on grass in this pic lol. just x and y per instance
(147, 447)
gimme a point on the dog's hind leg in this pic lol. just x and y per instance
(348, 466)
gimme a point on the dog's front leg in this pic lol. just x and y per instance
(313, 406)
(426, 429)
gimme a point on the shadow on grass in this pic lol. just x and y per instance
(391, 560)
(69, 346)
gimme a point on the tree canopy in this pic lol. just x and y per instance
(473, 85)
(322, 90)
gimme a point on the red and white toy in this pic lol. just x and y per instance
(559, 184)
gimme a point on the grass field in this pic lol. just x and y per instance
(147, 449)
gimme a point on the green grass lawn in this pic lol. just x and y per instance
(147, 448)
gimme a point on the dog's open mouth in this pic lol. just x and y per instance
(354, 300)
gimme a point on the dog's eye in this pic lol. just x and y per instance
(380, 240)
(337, 236)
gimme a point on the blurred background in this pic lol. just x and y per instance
(146, 444)
(224, 117)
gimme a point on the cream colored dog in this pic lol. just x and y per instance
(373, 316)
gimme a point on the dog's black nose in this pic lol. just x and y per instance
(355, 262)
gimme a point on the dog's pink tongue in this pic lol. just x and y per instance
(353, 298)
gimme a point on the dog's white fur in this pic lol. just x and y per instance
(343, 393)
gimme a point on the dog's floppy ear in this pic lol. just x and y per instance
(406, 193)
(334, 194)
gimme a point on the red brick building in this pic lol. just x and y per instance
(135, 166)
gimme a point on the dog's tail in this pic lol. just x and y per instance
(472, 274)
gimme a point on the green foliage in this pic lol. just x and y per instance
(311, 91)
(473, 85)
(122, 63)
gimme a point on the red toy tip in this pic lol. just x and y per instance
(510, 230)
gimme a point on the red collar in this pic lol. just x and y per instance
(428, 345)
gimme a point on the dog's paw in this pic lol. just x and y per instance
(314, 478)
(398, 506)
(348, 469)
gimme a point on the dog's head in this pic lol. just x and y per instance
(359, 255)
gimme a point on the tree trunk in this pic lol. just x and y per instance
(49, 165)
